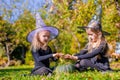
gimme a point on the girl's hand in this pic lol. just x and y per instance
(68, 56)
(74, 58)
(58, 55)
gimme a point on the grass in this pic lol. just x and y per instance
(17, 73)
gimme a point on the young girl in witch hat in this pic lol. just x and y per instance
(94, 55)
(41, 52)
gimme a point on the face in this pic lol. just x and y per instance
(92, 36)
(44, 36)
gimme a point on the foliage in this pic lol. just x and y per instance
(67, 21)
(7, 34)
(29, 58)
(23, 26)
(1, 51)
(110, 18)
(15, 34)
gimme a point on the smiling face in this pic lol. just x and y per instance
(44, 36)
(92, 35)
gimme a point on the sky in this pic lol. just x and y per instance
(14, 8)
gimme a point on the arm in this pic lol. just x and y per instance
(52, 58)
(82, 51)
(37, 57)
(93, 53)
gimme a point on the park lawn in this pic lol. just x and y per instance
(17, 73)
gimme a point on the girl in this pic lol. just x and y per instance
(94, 55)
(41, 52)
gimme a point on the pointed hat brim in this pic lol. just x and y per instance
(53, 32)
(85, 27)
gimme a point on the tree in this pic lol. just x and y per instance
(67, 21)
(7, 33)
(14, 35)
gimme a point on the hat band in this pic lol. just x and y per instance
(97, 27)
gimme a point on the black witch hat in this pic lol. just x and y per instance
(95, 22)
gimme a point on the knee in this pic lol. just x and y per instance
(44, 71)
(41, 71)
(83, 62)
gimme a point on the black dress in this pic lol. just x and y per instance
(42, 61)
(96, 59)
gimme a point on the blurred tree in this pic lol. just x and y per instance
(14, 35)
(67, 20)
(7, 34)
(71, 39)
(24, 25)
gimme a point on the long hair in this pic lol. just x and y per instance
(100, 39)
(36, 43)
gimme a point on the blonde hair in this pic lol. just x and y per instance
(36, 43)
(99, 39)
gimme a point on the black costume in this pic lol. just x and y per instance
(42, 62)
(96, 59)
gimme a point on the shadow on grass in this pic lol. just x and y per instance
(116, 70)
(7, 72)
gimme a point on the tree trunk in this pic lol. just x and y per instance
(8, 56)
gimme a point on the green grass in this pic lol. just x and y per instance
(16, 73)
